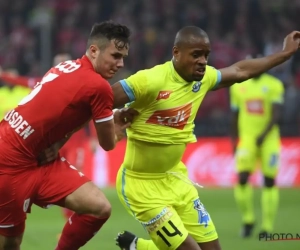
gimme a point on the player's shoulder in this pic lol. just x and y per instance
(210, 69)
(270, 78)
(96, 83)
(157, 69)
(272, 81)
(154, 74)
(210, 73)
(90, 79)
(87, 70)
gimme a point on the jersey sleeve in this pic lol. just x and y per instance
(215, 77)
(234, 102)
(277, 92)
(102, 102)
(136, 86)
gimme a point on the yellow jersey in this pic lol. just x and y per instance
(10, 97)
(167, 107)
(4, 101)
(253, 100)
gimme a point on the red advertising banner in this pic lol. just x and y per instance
(210, 163)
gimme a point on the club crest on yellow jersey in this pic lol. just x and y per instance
(196, 87)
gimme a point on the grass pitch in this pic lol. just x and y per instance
(43, 226)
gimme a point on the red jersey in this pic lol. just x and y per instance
(69, 95)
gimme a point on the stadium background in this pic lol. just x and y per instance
(33, 31)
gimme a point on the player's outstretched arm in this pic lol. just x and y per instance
(246, 69)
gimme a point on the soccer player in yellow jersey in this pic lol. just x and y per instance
(153, 183)
(256, 107)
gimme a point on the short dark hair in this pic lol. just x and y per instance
(102, 33)
(183, 35)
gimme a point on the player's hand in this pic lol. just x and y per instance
(124, 115)
(50, 154)
(260, 140)
(292, 42)
(123, 119)
(119, 131)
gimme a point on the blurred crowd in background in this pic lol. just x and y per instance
(33, 31)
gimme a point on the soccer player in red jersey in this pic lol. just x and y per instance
(73, 150)
(69, 95)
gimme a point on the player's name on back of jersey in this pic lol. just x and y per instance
(19, 124)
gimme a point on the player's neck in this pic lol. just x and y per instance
(178, 71)
(90, 59)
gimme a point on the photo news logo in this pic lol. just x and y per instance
(279, 236)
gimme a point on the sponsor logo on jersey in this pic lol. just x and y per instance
(196, 87)
(175, 117)
(255, 106)
(165, 94)
(156, 222)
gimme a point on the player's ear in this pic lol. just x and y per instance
(94, 50)
(175, 52)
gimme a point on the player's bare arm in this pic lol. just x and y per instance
(106, 134)
(276, 114)
(120, 96)
(120, 99)
(122, 120)
(234, 129)
(246, 69)
(112, 131)
(50, 154)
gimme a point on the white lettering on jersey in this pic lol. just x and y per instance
(175, 117)
(172, 119)
(67, 66)
(19, 124)
(64, 67)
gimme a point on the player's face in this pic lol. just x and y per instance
(191, 59)
(109, 60)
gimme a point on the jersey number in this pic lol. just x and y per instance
(168, 233)
(63, 67)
